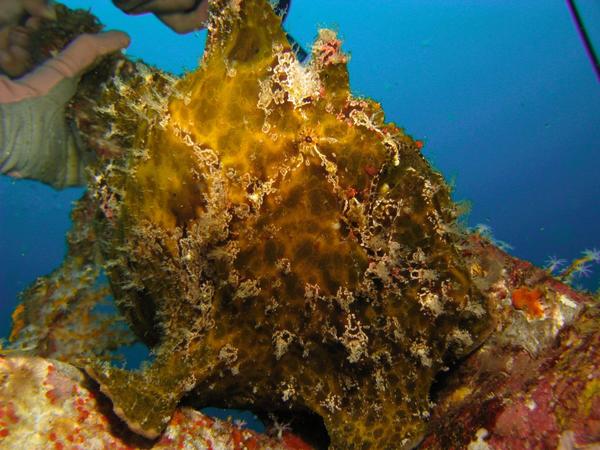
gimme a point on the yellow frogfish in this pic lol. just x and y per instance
(279, 246)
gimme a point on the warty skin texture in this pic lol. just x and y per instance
(278, 245)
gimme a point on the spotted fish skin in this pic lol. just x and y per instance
(278, 245)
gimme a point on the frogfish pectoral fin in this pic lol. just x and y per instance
(145, 406)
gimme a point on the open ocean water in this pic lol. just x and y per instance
(501, 92)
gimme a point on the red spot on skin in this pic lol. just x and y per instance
(52, 436)
(12, 416)
(370, 170)
(329, 50)
(7, 413)
(4, 432)
(59, 446)
(51, 395)
(528, 299)
(293, 442)
(397, 273)
(83, 414)
(419, 144)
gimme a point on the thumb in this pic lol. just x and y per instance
(74, 60)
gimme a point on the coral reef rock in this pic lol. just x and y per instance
(503, 397)
(534, 381)
(69, 314)
(46, 404)
(278, 245)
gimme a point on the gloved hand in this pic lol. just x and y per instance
(182, 16)
(35, 140)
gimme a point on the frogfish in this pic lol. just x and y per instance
(278, 245)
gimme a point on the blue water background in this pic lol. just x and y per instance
(501, 92)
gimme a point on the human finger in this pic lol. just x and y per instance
(33, 23)
(10, 12)
(18, 36)
(128, 5)
(14, 57)
(4, 34)
(185, 22)
(165, 6)
(74, 60)
(14, 12)
(39, 8)
(14, 61)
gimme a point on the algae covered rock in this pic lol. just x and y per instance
(278, 245)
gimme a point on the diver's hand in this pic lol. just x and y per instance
(35, 140)
(182, 16)
(17, 19)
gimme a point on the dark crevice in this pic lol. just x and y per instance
(305, 424)
(118, 428)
